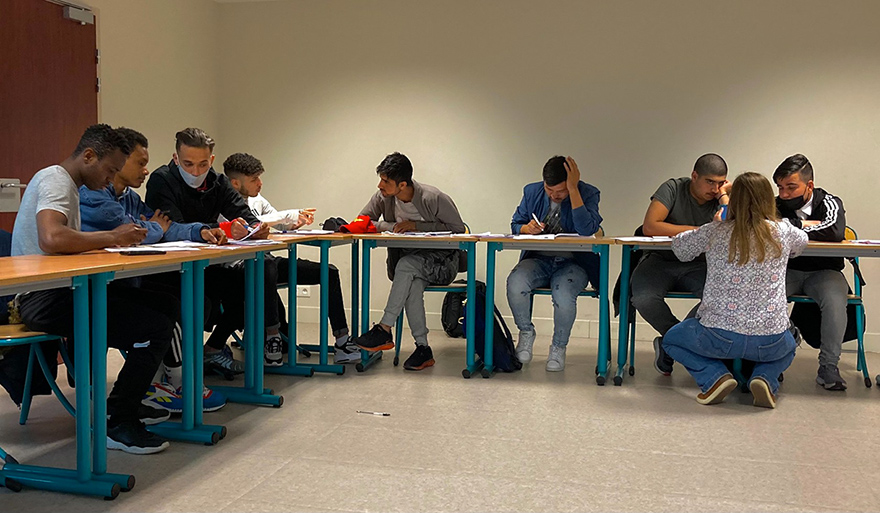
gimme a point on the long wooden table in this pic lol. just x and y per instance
(565, 244)
(463, 242)
(844, 249)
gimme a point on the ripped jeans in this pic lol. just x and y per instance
(566, 280)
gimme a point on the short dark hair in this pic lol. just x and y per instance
(797, 163)
(242, 164)
(194, 138)
(396, 167)
(103, 140)
(554, 171)
(134, 137)
(710, 164)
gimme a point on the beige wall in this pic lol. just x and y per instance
(159, 68)
(480, 93)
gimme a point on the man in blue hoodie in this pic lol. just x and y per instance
(562, 203)
(118, 204)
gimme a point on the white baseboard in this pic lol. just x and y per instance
(586, 328)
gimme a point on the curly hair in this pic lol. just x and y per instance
(103, 140)
(242, 164)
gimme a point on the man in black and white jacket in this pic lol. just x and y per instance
(822, 217)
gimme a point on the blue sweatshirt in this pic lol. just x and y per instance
(584, 220)
(103, 210)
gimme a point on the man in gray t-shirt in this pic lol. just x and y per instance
(53, 189)
(679, 205)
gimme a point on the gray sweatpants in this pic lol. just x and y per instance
(413, 273)
(828, 288)
(654, 277)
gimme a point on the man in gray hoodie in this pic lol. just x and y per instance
(408, 206)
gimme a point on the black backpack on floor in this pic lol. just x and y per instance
(503, 350)
(451, 312)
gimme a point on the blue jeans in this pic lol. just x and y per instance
(566, 280)
(702, 350)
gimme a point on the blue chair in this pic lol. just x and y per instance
(19, 335)
(852, 299)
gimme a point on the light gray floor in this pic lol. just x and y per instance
(530, 441)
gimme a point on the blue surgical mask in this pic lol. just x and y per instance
(193, 181)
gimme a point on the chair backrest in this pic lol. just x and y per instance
(850, 234)
(5, 243)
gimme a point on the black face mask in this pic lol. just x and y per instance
(793, 203)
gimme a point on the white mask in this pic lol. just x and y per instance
(193, 181)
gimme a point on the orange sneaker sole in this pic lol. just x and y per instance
(384, 347)
(425, 365)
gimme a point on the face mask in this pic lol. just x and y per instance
(793, 203)
(193, 181)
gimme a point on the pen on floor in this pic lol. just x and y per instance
(376, 413)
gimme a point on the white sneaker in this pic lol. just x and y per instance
(524, 345)
(556, 359)
(347, 353)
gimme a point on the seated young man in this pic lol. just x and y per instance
(139, 322)
(821, 216)
(190, 191)
(244, 172)
(679, 205)
(404, 205)
(118, 204)
(563, 204)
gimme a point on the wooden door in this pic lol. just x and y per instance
(48, 87)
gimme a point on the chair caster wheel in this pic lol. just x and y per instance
(359, 367)
(868, 383)
(600, 380)
(466, 374)
(396, 360)
(485, 373)
(632, 371)
(618, 380)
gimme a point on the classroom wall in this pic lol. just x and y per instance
(159, 68)
(480, 93)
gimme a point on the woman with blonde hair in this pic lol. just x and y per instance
(743, 313)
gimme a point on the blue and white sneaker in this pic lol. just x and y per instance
(162, 395)
(211, 400)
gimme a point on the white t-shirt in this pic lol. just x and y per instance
(406, 211)
(51, 188)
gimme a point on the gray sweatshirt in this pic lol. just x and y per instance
(436, 208)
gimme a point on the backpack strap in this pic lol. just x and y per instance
(503, 324)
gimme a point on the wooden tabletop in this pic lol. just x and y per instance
(438, 238)
(562, 241)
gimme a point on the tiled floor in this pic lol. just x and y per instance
(530, 441)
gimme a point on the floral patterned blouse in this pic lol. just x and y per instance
(748, 299)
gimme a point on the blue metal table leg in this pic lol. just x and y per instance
(292, 367)
(367, 358)
(489, 334)
(355, 282)
(192, 320)
(604, 356)
(253, 391)
(623, 327)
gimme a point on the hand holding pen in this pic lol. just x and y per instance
(534, 227)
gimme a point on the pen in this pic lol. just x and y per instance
(536, 219)
(376, 413)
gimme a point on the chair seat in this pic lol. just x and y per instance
(681, 295)
(808, 299)
(544, 291)
(18, 332)
(446, 288)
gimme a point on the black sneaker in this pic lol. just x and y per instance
(662, 361)
(377, 339)
(421, 358)
(133, 438)
(272, 354)
(149, 414)
(829, 377)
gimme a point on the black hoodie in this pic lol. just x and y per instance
(167, 191)
(829, 210)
